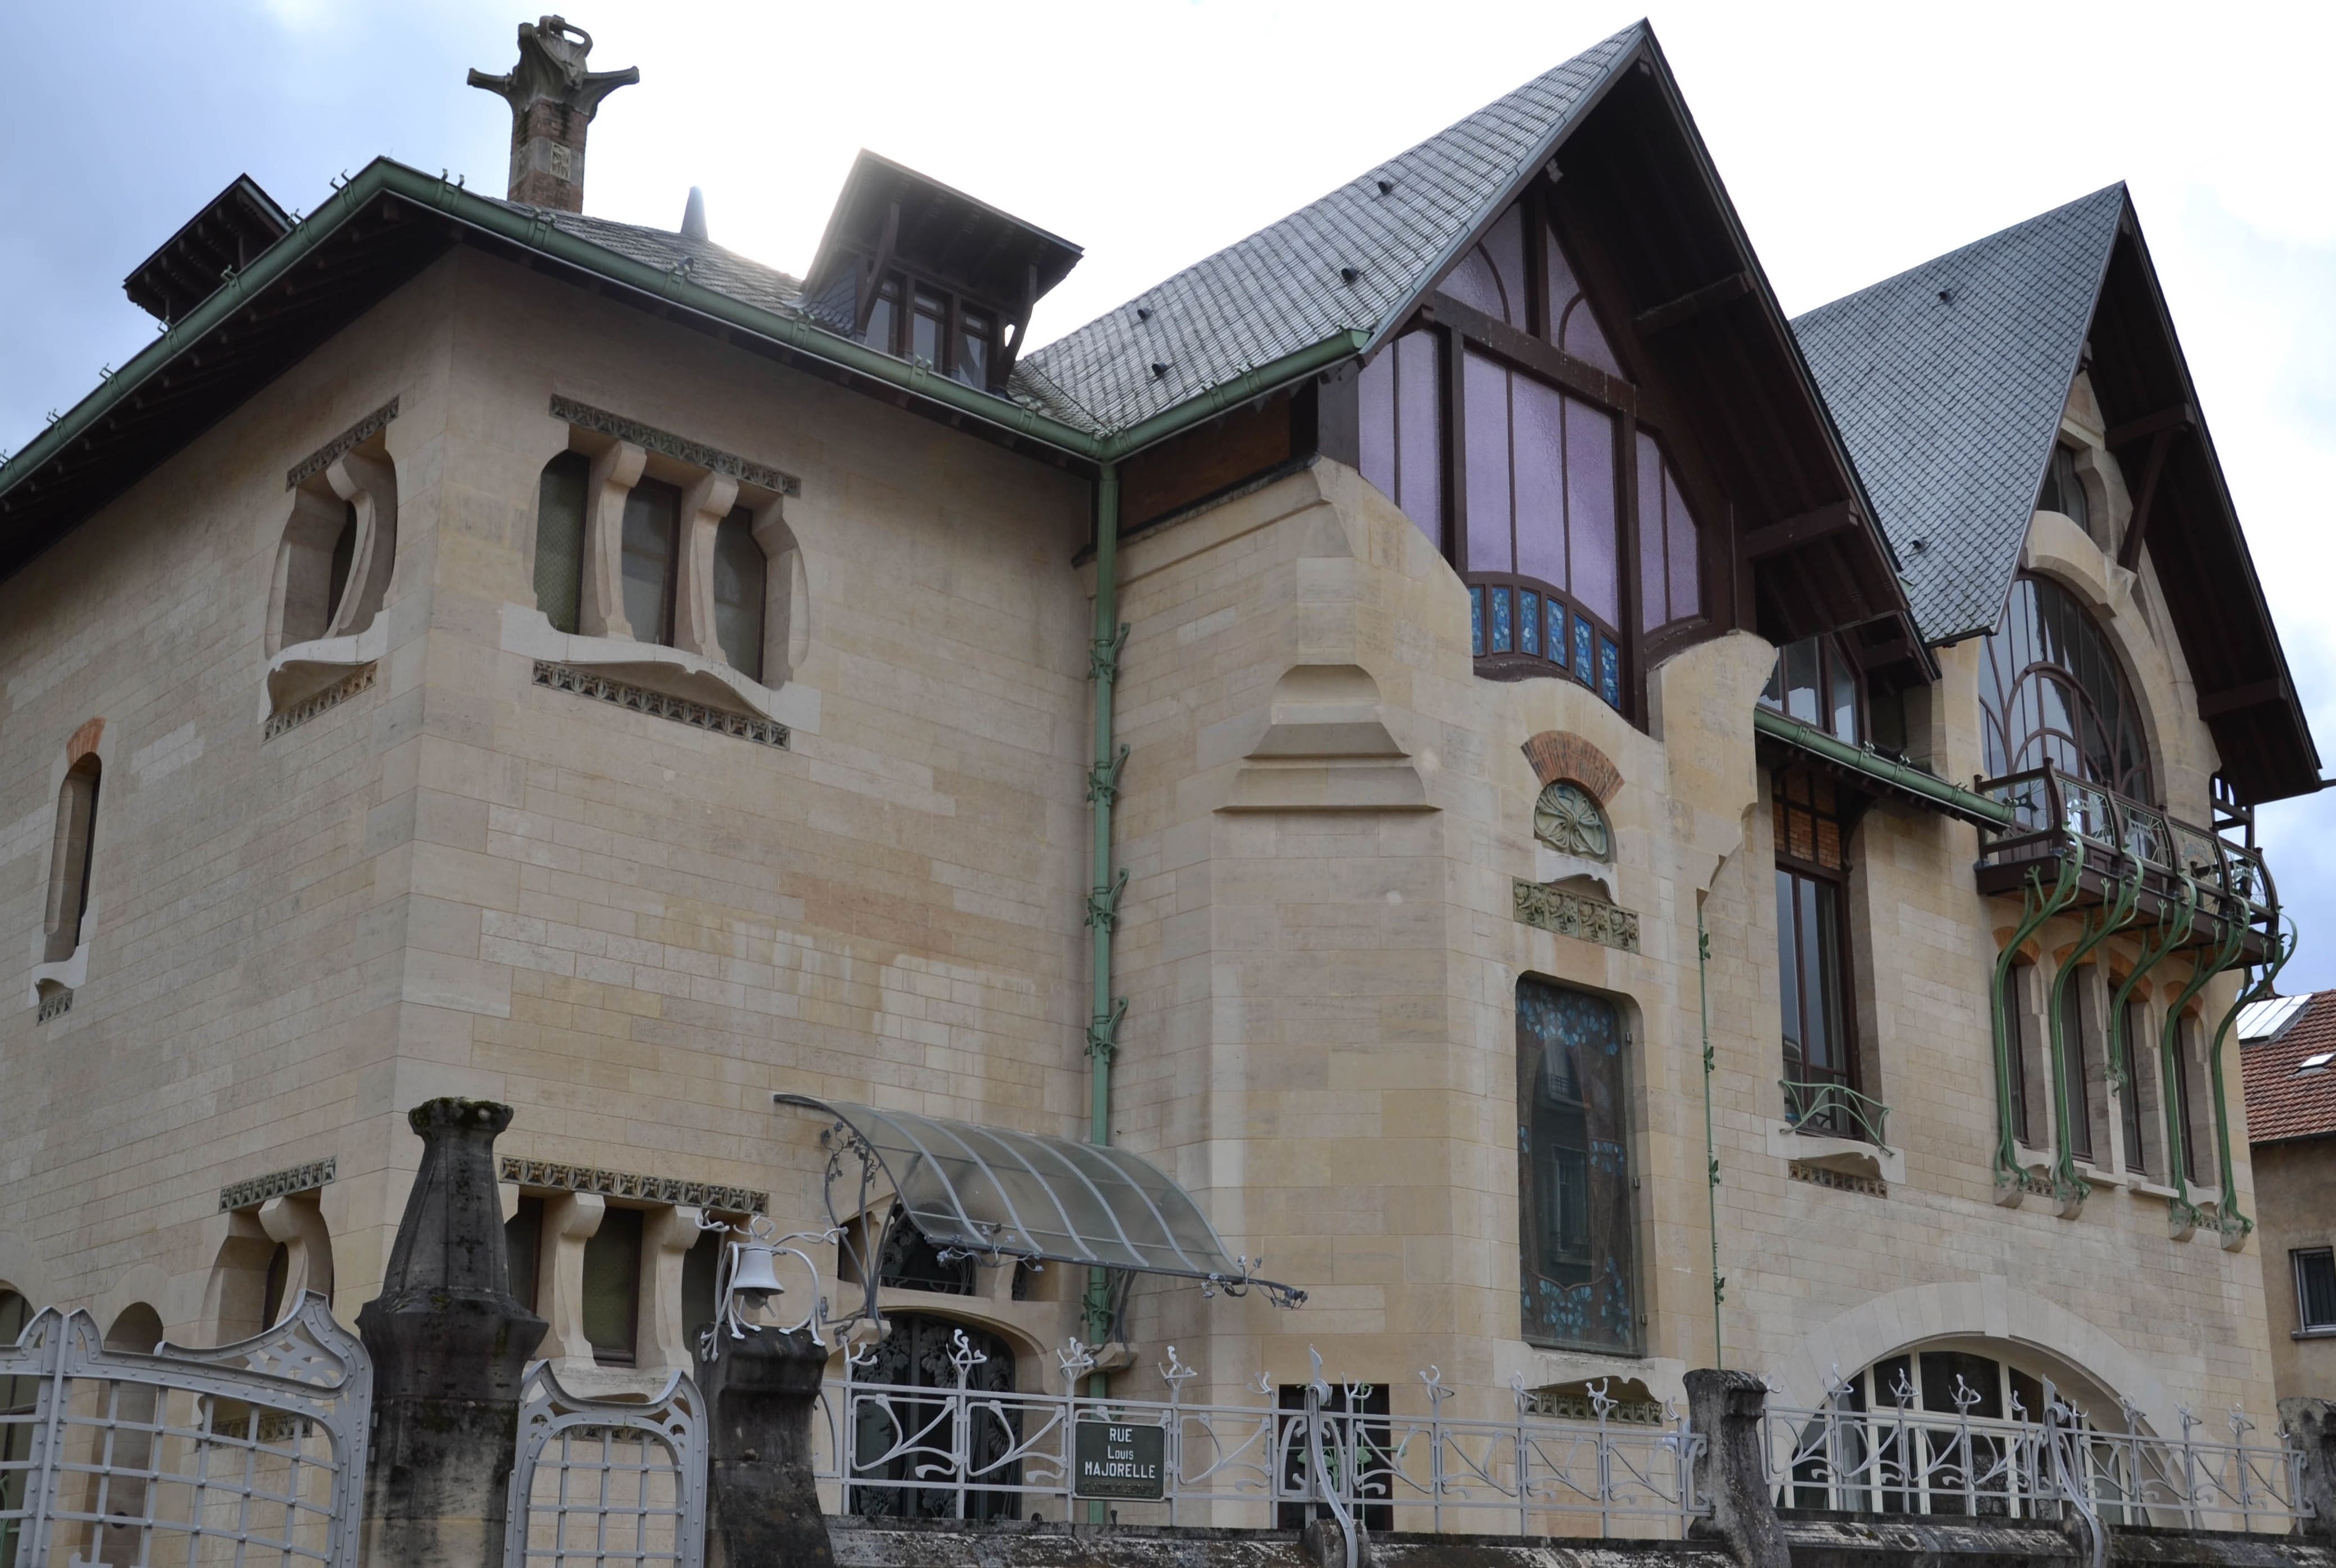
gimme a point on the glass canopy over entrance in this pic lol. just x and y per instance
(1000, 1194)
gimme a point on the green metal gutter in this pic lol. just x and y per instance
(1953, 799)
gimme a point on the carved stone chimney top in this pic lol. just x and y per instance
(553, 101)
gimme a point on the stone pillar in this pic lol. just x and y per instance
(552, 100)
(2311, 1425)
(1725, 1407)
(449, 1344)
(761, 1508)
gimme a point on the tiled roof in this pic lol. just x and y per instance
(2284, 1098)
(1282, 289)
(709, 265)
(1947, 382)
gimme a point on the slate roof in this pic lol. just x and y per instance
(1281, 289)
(1947, 382)
(2281, 1102)
(723, 271)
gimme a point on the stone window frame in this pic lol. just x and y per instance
(323, 623)
(621, 454)
(570, 1219)
(70, 904)
(291, 1226)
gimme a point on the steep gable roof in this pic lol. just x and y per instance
(2286, 1099)
(1947, 382)
(1397, 226)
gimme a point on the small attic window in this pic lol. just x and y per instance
(2064, 491)
(2316, 1062)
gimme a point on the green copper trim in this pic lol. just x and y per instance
(2037, 906)
(2185, 1214)
(1953, 799)
(2229, 1218)
(1710, 1145)
(2067, 1186)
(2174, 929)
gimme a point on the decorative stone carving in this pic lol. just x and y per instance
(276, 1184)
(348, 440)
(1844, 1181)
(1569, 821)
(360, 679)
(641, 700)
(584, 416)
(554, 1176)
(1573, 914)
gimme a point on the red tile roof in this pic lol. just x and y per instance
(2282, 1103)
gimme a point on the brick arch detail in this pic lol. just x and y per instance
(83, 740)
(1560, 754)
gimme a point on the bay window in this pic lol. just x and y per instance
(1502, 425)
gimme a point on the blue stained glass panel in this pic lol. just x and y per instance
(1502, 640)
(1610, 672)
(1528, 623)
(1581, 649)
(1557, 633)
(1476, 621)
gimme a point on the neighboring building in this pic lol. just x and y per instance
(2288, 1049)
(482, 649)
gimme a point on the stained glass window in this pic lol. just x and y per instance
(2051, 689)
(1401, 398)
(1573, 1178)
(1812, 946)
(1670, 573)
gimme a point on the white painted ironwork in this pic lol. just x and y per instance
(1903, 1460)
(965, 1452)
(251, 1455)
(606, 1481)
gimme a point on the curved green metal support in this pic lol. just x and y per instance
(2174, 929)
(2067, 1186)
(2178, 1137)
(2037, 906)
(2229, 1218)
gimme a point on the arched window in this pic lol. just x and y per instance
(132, 1408)
(69, 859)
(2051, 689)
(1573, 1177)
(899, 1473)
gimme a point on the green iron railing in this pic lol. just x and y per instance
(1835, 1110)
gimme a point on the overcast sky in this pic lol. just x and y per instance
(1855, 140)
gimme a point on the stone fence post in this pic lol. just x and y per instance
(1731, 1474)
(2311, 1424)
(450, 1345)
(762, 1504)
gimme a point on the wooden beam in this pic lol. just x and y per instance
(1692, 303)
(1578, 376)
(2130, 548)
(2253, 694)
(1774, 539)
(872, 280)
(2183, 416)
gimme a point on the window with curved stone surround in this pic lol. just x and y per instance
(1574, 1177)
(335, 561)
(2052, 689)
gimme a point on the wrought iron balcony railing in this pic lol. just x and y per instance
(2055, 815)
(1835, 1111)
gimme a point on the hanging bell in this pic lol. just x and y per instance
(753, 1276)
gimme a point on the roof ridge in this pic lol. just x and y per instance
(1947, 256)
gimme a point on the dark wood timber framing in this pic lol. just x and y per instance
(2183, 518)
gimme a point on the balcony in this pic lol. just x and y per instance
(2113, 838)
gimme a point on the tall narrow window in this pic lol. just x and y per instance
(928, 329)
(2064, 491)
(1816, 682)
(559, 538)
(973, 340)
(2077, 1060)
(739, 578)
(2136, 1029)
(71, 855)
(345, 555)
(2315, 1288)
(1401, 394)
(700, 1267)
(882, 314)
(1573, 1178)
(523, 1248)
(652, 519)
(1812, 954)
(1670, 571)
(2015, 1048)
(612, 1287)
(2189, 1099)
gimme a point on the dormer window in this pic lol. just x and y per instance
(2064, 491)
(944, 332)
(1816, 682)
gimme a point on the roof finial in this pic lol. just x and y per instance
(692, 217)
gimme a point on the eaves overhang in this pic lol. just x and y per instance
(383, 226)
(1862, 765)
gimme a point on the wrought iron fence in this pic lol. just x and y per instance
(1908, 1461)
(248, 1455)
(606, 1481)
(957, 1451)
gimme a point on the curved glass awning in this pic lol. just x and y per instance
(997, 1194)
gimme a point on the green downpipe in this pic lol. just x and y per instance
(2037, 906)
(2233, 1221)
(1103, 896)
(2067, 1185)
(1710, 1145)
(2174, 930)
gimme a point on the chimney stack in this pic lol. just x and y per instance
(553, 101)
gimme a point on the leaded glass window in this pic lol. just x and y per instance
(1813, 947)
(1573, 1177)
(651, 530)
(1401, 408)
(2052, 690)
(1670, 571)
(559, 538)
(740, 575)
